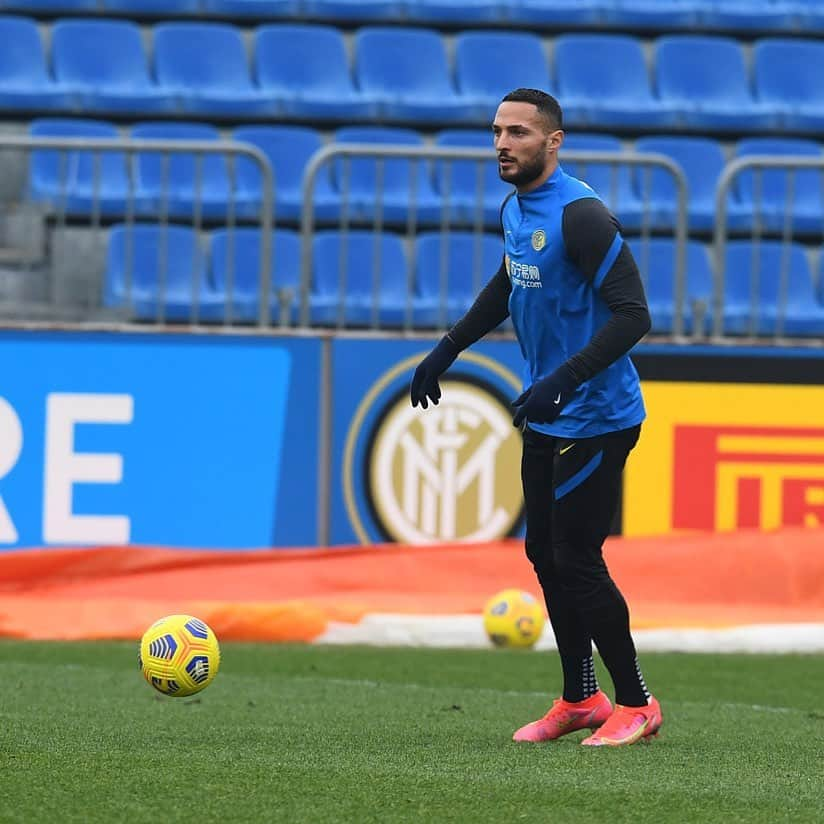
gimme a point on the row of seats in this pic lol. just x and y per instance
(77, 185)
(363, 278)
(736, 15)
(404, 74)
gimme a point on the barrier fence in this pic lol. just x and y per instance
(95, 244)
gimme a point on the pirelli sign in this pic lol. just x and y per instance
(723, 457)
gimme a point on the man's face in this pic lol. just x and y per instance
(523, 142)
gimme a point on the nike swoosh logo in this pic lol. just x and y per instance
(558, 399)
(566, 449)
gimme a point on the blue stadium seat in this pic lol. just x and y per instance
(137, 8)
(658, 14)
(407, 70)
(251, 8)
(748, 15)
(399, 177)
(558, 12)
(613, 97)
(288, 149)
(612, 183)
(702, 160)
(51, 5)
(519, 61)
(758, 309)
(371, 287)
(788, 78)
(25, 82)
(656, 260)
(457, 182)
(349, 10)
(186, 61)
(234, 270)
(105, 62)
(190, 183)
(74, 181)
(707, 77)
(809, 15)
(771, 187)
(450, 270)
(455, 11)
(150, 271)
(306, 69)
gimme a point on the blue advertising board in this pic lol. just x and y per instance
(450, 472)
(175, 440)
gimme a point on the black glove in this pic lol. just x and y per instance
(544, 400)
(425, 379)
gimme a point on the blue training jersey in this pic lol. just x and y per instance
(556, 309)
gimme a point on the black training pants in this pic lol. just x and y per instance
(571, 490)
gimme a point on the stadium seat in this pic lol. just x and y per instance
(407, 70)
(519, 61)
(251, 8)
(702, 161)
(305, 68)
(105, 62)
(450, 270)
(809, 15)
(457, 182)
(559, 12)
(53, 6)
(190, 184)
(348, 10)
(402, 179)
(656, 259)
(289, 149)
(234, 267)
(75, 181)
(788, 78)
(137, 8)
(657, 14)
(151, 270)
(707, 78)
(25, 82)
(608, 98)
(185, 62)
(455, 11)
(769, 290)
(765, 195)
(749, 15)
(370, 288)
(612, 183)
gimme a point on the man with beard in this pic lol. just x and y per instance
(573, 290)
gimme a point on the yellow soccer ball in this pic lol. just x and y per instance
(514, 618)
(179, 655)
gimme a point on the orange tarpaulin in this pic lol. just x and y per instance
(706, 580)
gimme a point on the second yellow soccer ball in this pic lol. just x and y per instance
(514, 618)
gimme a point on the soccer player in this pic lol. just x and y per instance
(572, 288)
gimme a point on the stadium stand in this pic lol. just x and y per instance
(295, 77)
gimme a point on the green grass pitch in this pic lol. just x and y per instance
(353, 734)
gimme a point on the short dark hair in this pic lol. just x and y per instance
(546, 104)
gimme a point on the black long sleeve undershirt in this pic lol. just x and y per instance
(588, 231)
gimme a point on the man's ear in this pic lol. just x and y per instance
(556, 139)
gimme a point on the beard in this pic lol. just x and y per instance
(525, 171)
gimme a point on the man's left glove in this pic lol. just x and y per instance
(544, 400)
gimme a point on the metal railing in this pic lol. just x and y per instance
(382, 154)
(57, 208)
(731, 174)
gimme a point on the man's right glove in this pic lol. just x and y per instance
(425, 380)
